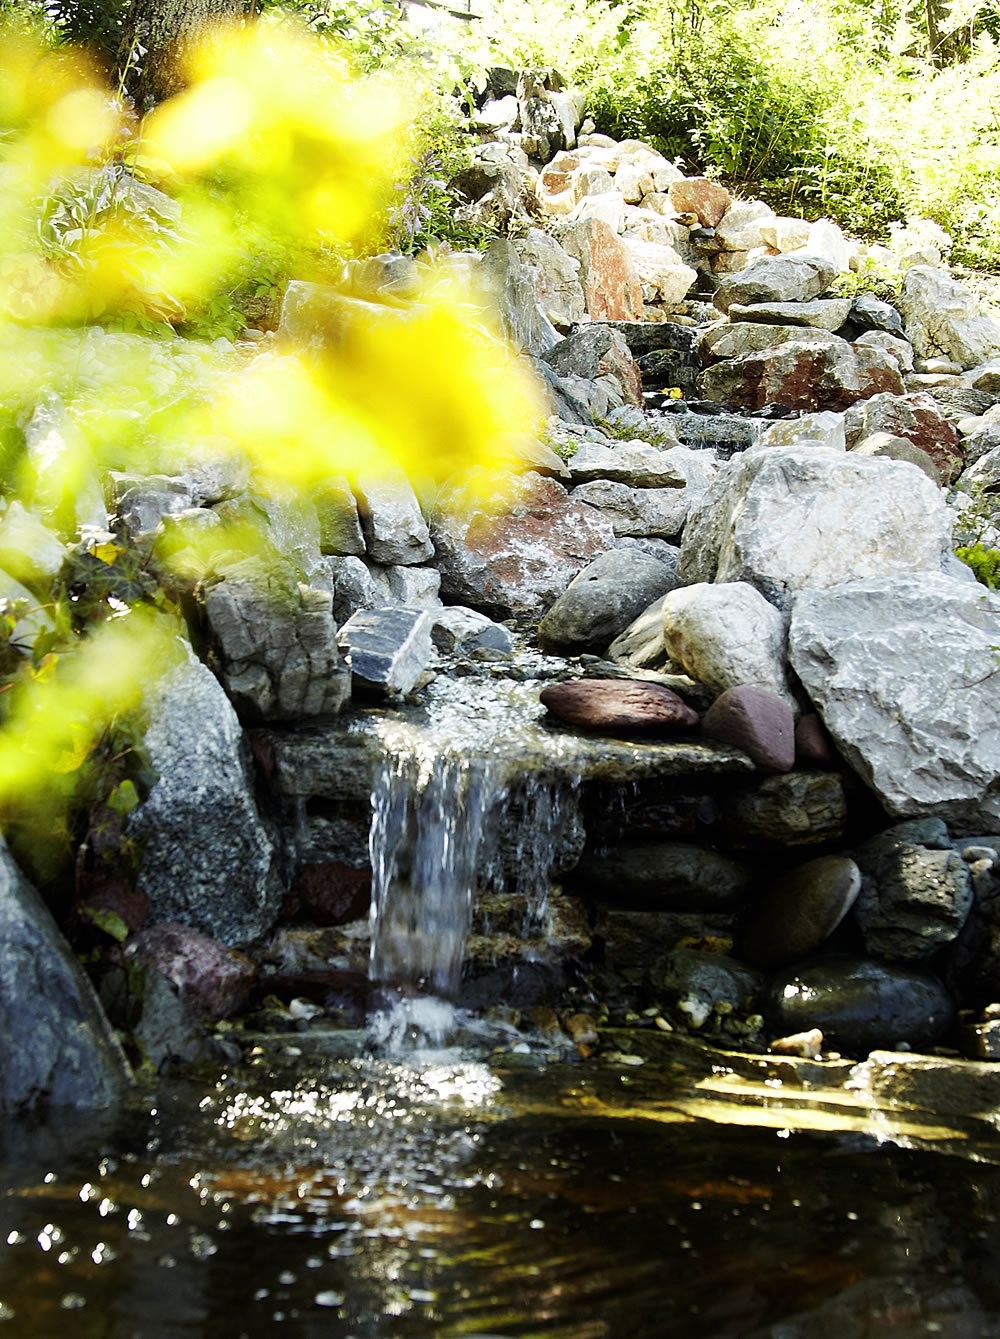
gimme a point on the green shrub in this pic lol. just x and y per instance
(984, 562)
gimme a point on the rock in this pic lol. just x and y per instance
(757, 721)
(337, 513)
(208, 860)
(820, 313)
(665, 876)
(602, 600)
(802, 374)
(413, 587)
(511, 547)
(29, 550)
(591, 179)
(860, 1005)
(776, 279)
(799, 911)
(899, 349)
(740, 227)
(698, 195)
(618, 705)
(785, 234)
(918, 418)
(638, 464)
(795, 518)
(387, 649)
(141, 504)
(825, 429)
(284, 533)
(594, 351)
(924, 643)
(601, 207)
(827, 240)
(660, 268)
(612, 289)
(642, 645)
(884, 446)
(808, 1045)
(943, 317)
(56, 451)
(813, 746)
(275, 642)
(870, 313)
(916, 892)
(986, 377)
(393, 524)
(329, 893)
(725, 340)
(725, 635)
(635, 943)
(794, 809)
(984, 475)
(459, 631)
(650, 512)
(60, 1050)
(556, 278)
(700, 982)
(513, 287)
(212, 981)
(389, 274)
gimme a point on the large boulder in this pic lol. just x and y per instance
(59, 1049)
(776, 279)
(208, 861)
(512, 285)
(275, 643)
(797, 517)
(806, 373)
(511, 545)
(603, 600)
(732, 339)
(904, 671)
(660, 268)
(394, 527)
(612, 289)
(555, 275)
(944, 319)
(918, 418)
(595, 351)
(725, 635)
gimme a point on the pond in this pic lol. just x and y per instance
(660, 1190)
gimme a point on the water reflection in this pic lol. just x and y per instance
(367, 1198)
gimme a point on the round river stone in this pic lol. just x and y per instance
(800, 911)
(860, 1005)
(618, 704)
(757, 721)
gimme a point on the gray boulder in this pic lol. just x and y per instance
(904, 671)
(725, 635)
(59, 1050)
(208, 860)
(394, 527)
(511, 284)
(275, 640)
(665, 876)
(776, 279)
(603, 599)
(794, 518)
(820, 313)
(944, 319)
(556, 278)
(804, 374)
(916, 891)
(388, 649)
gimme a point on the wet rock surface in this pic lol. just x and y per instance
(798, 911)
(619, 705)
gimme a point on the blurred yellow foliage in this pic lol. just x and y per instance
(273, 126)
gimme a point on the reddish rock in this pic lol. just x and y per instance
(614, 705)
(918, 418)
(511, 544)
(802, 375)
(211, 980)
(813, 746)
(611, 286)
(329, 894)
(698, 195)
(757, 721)
(800, 911)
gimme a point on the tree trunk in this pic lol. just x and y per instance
(158, 34)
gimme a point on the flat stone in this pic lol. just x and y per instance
(724, 340)
(802, 374)
(757, 721)
(603, 599)
(819, 313)
(658, 513)
(823, 429)
(637, 464)
(387, 649)
(799, 911)
(860, 1005)
(776, 279)
(665, 876)
(59, 1050)
(618, 705)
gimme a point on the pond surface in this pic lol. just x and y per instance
(306, 1194)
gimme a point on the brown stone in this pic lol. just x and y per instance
(757, 721)
(619, 705)
(329, 894)
(698, 195)
(802, 376)
(917, 417)
(813, 746)
(213, 981)
(612, 289)
(800, 911)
